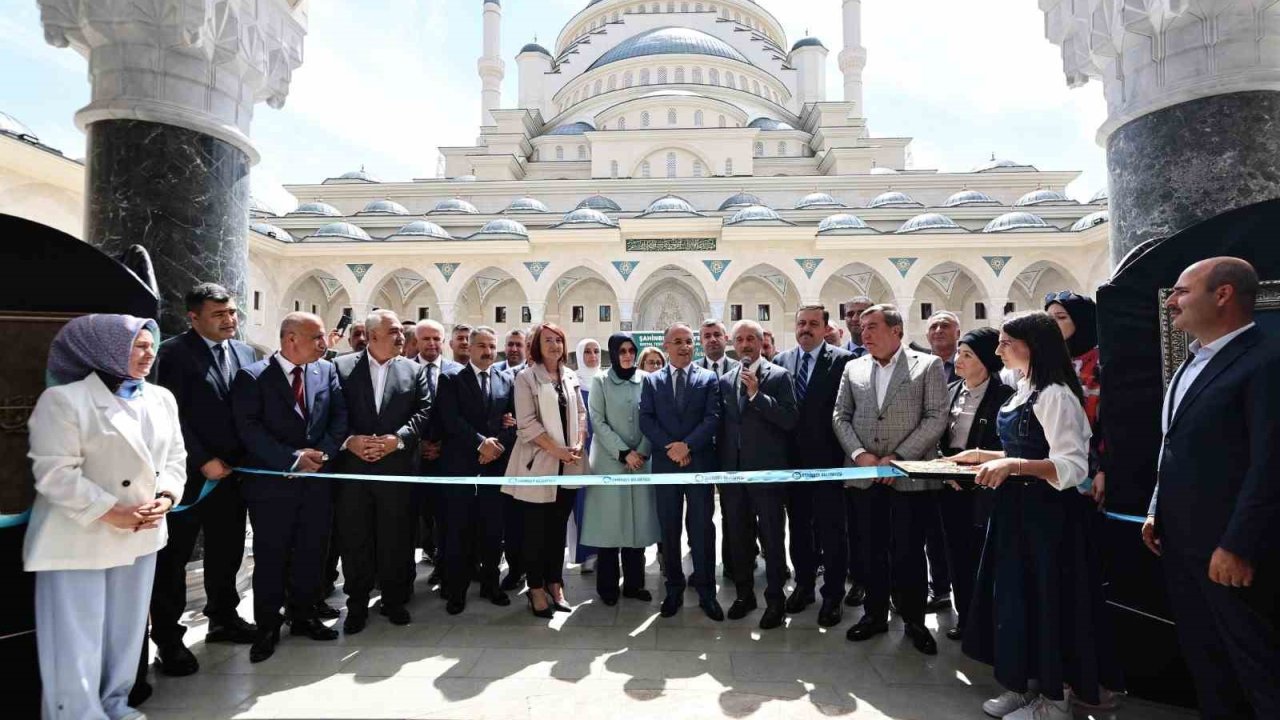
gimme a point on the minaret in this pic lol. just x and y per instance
(490, 65)
(853, 57)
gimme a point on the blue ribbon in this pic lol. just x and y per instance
(8, 521)
(209, 485)
(1128, 518)
(705, 478)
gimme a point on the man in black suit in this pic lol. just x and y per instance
(291, 417)
(476, 411)
(198, 367)
(434, 364)
(715, 338)
(388, 408)
(1215, 511)
(758, 415)
(943, 332)
(816, 508)
(516, 340)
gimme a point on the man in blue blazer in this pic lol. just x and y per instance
(291, 416)
(816, 508)
(680, 414)
(1216, 509)
(475, 409)
(198, 367)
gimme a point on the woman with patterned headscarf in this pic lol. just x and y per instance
(109, 464)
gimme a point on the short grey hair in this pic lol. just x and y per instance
(294, 321)
(712, 322)
(860, 300)
(518, 332)
(429, 323)
(483, 329)
(375, 318)
(752, 325)
(943, 315)
(892, 317)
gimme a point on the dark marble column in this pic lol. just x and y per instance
(1175, 167)
(181, 194)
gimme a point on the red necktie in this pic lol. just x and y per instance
(299, 392)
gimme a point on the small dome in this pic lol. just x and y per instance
(842, 221)
(928, 222)
(341, 231)
(893, 199)
(878, 170)
(1100, 198)
(1042, 197)
(601, 203)
(271, 231)
(587, 216)
(999, 164)
(741, 200)
(454, 206)
(575, 128)
(360, 175)
(969, 197)
(769, 124)
(818, 200)
(257, 208)
(526, 205)
(1091, 220)
(669, 204)
(669, 41)
(317, 208)
(503, 226)
(754, 213)
(1016, 221)
(534, 48)
(422, 229)
(384, 207)
(808, 42)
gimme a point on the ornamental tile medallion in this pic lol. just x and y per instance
(359, 270)
(625, 268)
(997, 262)
(535, 267)
(809, 265)
(903, 264)
(447, 269)
(716, 267)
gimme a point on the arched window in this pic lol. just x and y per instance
(737, 17)
(759, 149)
(679, 76)
(644, 119)
(613, 168)
(644, 76)
(671, 116)
(644, 169)
(725, 13)
(755, 87)
(742, 82)
(622, 123)
(697, 118)
(728, 166)
(628, 79)
(697, 168)
(722, 124)
(600, 87)
(662, 76)
(782, 149)
(714, 74)
(537, 154)
(616, 17)
(559, 152)
(613, 82)
(671, 164)
(697, 76)
(582, 152)
(728, 80)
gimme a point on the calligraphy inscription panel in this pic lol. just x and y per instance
(670, 244)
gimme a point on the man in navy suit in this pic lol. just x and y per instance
(291, 416)
(388, 408)
(476, 413)
(434, 364)
(680, 414)
(516, 340)
(198, 367)
(816, 508)
(1216, 507)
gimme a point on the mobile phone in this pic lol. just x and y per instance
(343, 323)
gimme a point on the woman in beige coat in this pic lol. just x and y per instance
(551, 430)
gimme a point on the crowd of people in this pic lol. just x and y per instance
(130, 471)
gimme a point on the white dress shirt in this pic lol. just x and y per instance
(882, 374)
(717, 366)
(378, 374)
(1186, 377)
(813, 354)
(1066, 427)
(963, 413)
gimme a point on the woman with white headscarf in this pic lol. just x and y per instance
(588, 357)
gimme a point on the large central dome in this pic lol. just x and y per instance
(669, 41)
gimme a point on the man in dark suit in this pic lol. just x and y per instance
(942, 329)
(715, 338)
(680, 414)
(388, 408)
(198, 367)
(515, 351)
(758, 415)
(1214, 513)
(290, 416)
(434, 364)
(892, 405)
(816, 508)
(475, 409)
(853, 310)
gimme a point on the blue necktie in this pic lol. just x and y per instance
(802, 378)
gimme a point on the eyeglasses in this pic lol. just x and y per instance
(1059, 296)
(626, 351)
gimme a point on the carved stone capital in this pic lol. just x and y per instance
(1153, 54)
(198, 64)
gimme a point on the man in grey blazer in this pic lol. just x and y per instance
(758, 413)
(892, 405)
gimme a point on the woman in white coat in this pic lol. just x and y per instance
(109, 463)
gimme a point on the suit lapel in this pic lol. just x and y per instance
(901, 373)
(106, 401)
(1221, 361)
(276, 381)
(821, 367)
(313, 386)
(206, 362)
(389, 384)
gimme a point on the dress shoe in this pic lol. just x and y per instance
(398, 615)
(545, 613)
(800, 599)
(455, 606)
(742, 607)
(955, 633)
(234, 630)
(857, 594)
(323, 611)
(638, 594)
(671, 605)
(711, 608)
(511, 582)
(312, 628)
(831, 613)
(865, 629)
(265, 646)
(937, 603)
(772, 617)
(175, 660)
(558, 601)
(495, 596)
(609, 600)
(356, 621)
(921, 638)
(433, 580)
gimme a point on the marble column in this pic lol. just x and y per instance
(174, 84)
(1193, 97)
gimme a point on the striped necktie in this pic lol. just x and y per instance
(802, 377)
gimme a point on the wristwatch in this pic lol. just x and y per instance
(173, 501)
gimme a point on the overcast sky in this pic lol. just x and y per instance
(385, 82)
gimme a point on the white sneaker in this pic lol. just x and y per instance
(1008, 702)
(1042, 708)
